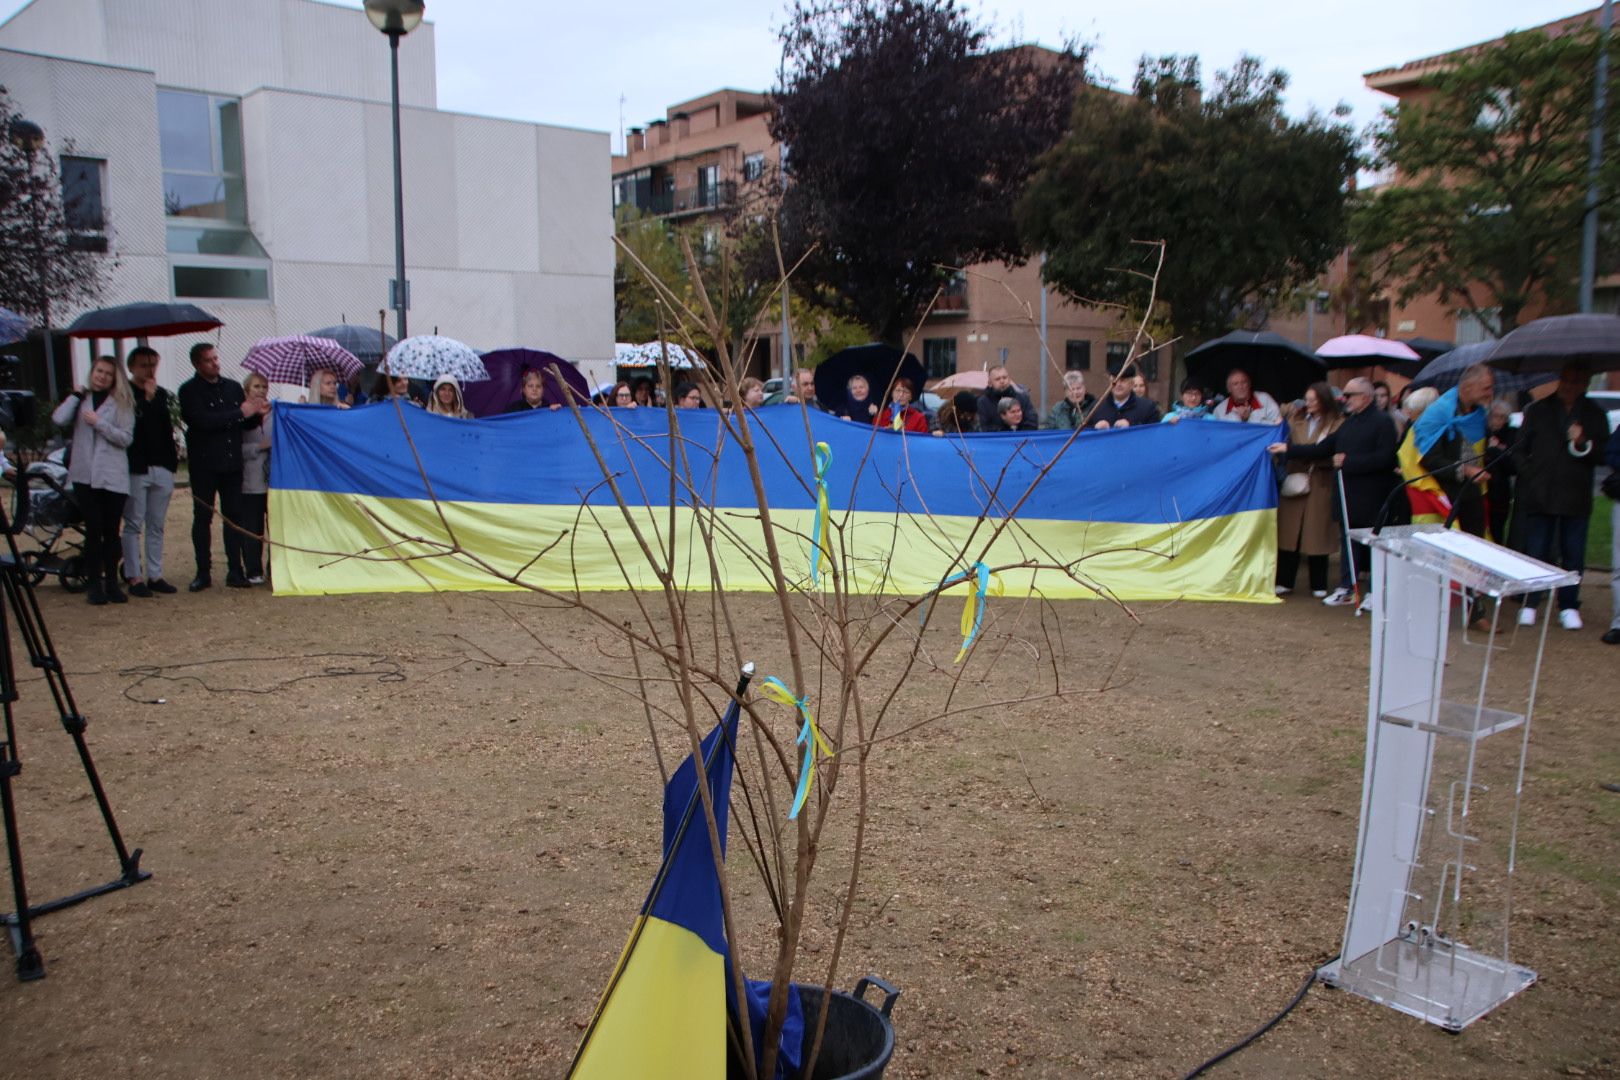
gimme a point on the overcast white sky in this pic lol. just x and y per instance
(569, 63)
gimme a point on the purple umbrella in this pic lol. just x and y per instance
(504, 386)
(294, 359)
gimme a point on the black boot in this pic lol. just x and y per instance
(114, 593)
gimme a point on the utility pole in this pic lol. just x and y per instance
(1594, 161)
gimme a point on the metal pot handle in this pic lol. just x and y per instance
(889, 992)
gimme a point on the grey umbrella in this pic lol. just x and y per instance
(1546, 345)
(1444, 371)
(367, 344)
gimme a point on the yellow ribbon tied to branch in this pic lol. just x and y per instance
(774, 689)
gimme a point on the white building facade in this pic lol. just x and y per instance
(242, 152)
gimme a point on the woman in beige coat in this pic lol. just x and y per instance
(1305, 523)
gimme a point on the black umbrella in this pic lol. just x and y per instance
(1274, 364)
(1546, 345)
(144, 319)
(879, 363)
(1428, 347)
(1445, 370)
(368, 344)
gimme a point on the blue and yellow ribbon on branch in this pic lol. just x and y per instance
(810, 737)
(984, 582)
(822, 532)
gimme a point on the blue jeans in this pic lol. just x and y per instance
(1547, 536)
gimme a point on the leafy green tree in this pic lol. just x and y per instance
(908, 139)
(652, 243)
(1490, 179)
(1250, 204)
(44, 265)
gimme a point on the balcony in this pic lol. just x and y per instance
(953, 298)
(699, 199)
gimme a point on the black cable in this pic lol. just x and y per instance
(378, 665)
(1254, 1035)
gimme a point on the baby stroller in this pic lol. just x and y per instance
(45, 511)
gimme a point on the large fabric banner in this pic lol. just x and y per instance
(388, 499)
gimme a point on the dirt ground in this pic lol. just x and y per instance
(421, 858)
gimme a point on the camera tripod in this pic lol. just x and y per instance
(17, 601)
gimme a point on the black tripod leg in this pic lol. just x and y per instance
(42, 653)
(30, 965)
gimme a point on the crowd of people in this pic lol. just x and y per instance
(1351, 458)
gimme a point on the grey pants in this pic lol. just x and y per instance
(148, 505)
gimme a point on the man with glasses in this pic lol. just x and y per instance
(1363, 451)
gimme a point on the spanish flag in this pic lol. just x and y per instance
(663, 1014)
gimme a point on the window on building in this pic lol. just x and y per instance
(708, 186)
(939, 357)
(1076, 355)
(200, 142)
(82, 207)
(1118, 353)
(753, 165)
(1473, 328)
(222, 282)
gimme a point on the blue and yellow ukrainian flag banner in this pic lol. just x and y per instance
(663, 1013)
(350, 503)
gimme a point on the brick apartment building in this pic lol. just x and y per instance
(698, 161)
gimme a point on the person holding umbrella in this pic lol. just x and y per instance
(216, 413)
(323, 389)
(103, 421)
(1562, 441)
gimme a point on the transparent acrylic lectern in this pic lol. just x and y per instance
(1448, 725)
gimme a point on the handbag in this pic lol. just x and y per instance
(1611, 485)
(1296, 484)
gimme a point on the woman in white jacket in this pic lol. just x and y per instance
(98, 469)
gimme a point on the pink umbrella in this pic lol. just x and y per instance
(294, 359)
(1364, 350)
(962, 380)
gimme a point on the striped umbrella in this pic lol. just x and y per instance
(294, 359)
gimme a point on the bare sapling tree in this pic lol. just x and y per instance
(843, 610)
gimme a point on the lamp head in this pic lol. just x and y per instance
(396, 18)
(26, 135)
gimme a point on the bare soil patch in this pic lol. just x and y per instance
(428, 867)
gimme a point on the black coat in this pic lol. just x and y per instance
(214, 425)
(1367, 440)
(1552, 480)
(990, 410)
(1137, 411)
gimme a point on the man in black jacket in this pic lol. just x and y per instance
(1001, 386)
(1363, 451)
(1122, 408)
(1561, 442)
(216, 413)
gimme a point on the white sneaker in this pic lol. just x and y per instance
(1527, 616)
(1365, 607)
(1282, 590)
(1339, 598)
(1319, 593)
(1569, 619)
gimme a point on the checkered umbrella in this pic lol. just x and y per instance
(428, 356)
(294, 359)
(1546, 345)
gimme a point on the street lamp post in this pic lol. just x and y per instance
(396, 18)
(29, 137)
